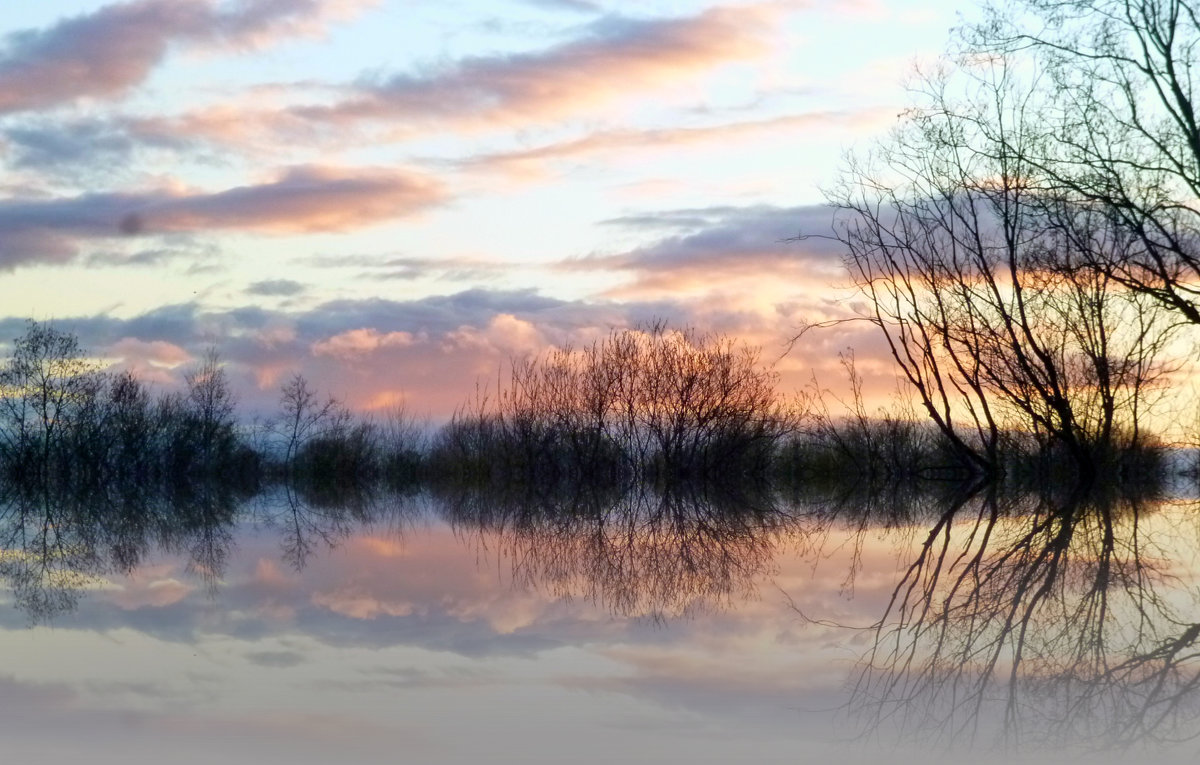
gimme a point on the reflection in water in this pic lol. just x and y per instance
(1022, 619)
(59, 539)
(636, 550)
(313, 518)
(1037, 622)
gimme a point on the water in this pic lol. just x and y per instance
(599, 627)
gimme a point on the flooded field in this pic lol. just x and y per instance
(642, 625)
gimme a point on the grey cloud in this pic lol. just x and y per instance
(41, 145)
(451, 269)
(276, 287)
(582, 6)
(435, 314)
(179, 324)
(411, 268)
(201, 255)
(688, 218)
(716, 236)
(281, 659)
(83, 149)
(303, 199)
(753, 701)
(153, 691)
(187, 325)
(113, 49)
(173, 323)
(185, 622)
(19, 698)
(436, 630)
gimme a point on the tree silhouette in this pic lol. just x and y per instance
(982, 279)
(1118, 115)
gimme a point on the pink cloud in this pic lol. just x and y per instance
(110, 51)
(356, 342)
(155, 352)
(618, 57)
(303, 199)
(505, 334)
(152, 587)
(435, 354)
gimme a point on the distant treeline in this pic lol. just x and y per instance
(652, 405)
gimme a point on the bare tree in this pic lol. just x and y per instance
(1119, 114)
(200, 424)
(650, 402)
(46, 383)
(980, 277)
(302, 415)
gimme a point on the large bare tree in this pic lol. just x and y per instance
(1119, 114)
(982, 276)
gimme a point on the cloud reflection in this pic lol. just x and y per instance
(1051, 624)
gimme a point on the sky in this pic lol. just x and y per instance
(396, 198)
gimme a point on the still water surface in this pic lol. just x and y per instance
(639, 627)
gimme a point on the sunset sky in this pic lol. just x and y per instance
(394, 198)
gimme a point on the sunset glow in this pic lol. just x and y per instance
(396, 198)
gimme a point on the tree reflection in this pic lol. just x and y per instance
(58, 539)
(1037, 621)
(314, 516)
(635, 549)
(1027, 618)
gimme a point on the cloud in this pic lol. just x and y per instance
(276, 287)
(407, 268)
(357, 342)
(154, 361)
(66, 145)
(433, 352)
(141, 592)
(567, 5)
(17, 697)
(755, 694)
(708, 245)
(281, 659)
(534, 159)
(91, 150)
(202, 255)
(614, 57)
(302, 199)
(108, 52)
